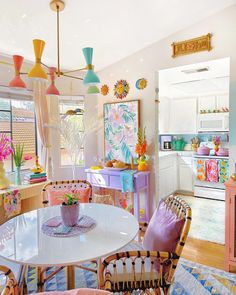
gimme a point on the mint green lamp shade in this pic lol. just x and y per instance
(90, 78)
(93, 90)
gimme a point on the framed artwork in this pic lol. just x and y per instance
(202, 43)
(121, 123)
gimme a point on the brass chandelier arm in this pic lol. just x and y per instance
(69, 76)
(77, 70)
(44, 65)
(58, 43)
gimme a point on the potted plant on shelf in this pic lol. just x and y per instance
(70, 209)
(5, 151)
(141, 149)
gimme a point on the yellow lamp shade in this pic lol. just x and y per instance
(37, 71)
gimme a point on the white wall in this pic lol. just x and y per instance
(147, 62)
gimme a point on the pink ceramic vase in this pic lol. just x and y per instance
(70, 214)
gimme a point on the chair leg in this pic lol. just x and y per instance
(40, 279)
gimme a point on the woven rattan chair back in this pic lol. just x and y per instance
(64, 185)
(149, 271)
(11, 287)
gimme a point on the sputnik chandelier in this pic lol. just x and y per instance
(38, 71)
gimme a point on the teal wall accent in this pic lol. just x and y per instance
(203, 137)
(232, 114)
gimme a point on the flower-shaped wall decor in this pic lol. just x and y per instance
(141, 83)
(104, 89)
(121, 89)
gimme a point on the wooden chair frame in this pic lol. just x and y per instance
(61, 184)
(11, 287)
(159, 280)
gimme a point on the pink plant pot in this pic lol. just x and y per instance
(70, 214)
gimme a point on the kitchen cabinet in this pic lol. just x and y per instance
(213, 102)
(167, 175)
(222, 101)
(183, 116)
(185, 173)
(207, 103)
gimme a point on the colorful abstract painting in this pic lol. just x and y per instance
(121, 123)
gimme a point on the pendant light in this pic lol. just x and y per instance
(90, 78)
(37, 71)
(93, 90)
(17, 82)
(52, 90)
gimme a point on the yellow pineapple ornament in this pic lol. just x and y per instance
(37, 168)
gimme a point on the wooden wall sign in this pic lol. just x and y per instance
(202, 43)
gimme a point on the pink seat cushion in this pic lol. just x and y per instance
(82, 291)
(163, 231)
(55, 197)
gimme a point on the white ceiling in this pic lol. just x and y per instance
(175, 82)
(114, 28)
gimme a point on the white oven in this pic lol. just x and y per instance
(213, 122)
(206, 189)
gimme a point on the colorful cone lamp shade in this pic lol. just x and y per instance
(52, 90)
(37, 71)
(17, 82)
(93, 90)
(90, 78)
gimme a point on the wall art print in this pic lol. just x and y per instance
(104, 90)
(121, 89)
(121, 123)
(141, 83)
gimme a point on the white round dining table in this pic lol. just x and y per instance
(26, 244)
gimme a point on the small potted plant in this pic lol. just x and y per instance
(19, 159)
(70, 209)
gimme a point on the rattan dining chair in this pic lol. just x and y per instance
(147, 271)
(64, 185)
(11, 286)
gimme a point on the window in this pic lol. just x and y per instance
(70, 137)
(17, 120)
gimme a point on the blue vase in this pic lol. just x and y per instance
(17, 176)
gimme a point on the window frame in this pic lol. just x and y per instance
(71, 101)
(17, 96)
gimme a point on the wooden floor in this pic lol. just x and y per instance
(204, 252)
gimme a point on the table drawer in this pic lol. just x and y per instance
(115, 182)
(98, 179)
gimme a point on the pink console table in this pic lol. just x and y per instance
(111, 179)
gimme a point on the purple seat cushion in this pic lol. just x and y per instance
(163, 231)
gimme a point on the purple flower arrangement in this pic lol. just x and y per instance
(5, 146)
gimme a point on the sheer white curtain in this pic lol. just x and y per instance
(42, 117)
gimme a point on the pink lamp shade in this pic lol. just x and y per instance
(52, 90)
(17, 82)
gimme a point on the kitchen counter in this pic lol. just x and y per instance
(178, 153)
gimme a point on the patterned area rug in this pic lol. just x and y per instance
(190, 279)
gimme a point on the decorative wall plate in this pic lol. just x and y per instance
(104, 89)
(141, 83)
(121, 89)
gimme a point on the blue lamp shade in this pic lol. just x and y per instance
(90, 78)
(93, 90)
